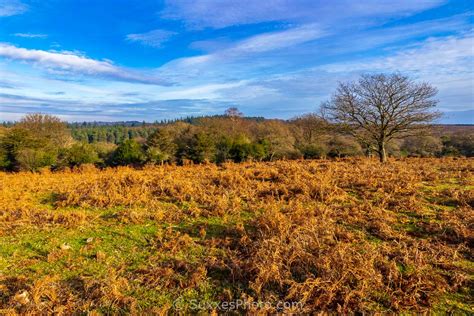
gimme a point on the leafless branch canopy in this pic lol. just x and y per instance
(381, 107)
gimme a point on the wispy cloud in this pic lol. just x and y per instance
(276, 40)
(12, 7)
(70, 62)
(6, 85)
(30, 35)
(224, 13)
(446, 62)
(348, 41)
(154, 38)
(452, 54)
(247, 48)
(303, 46)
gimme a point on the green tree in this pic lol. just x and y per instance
(105, 152)
(223, 149)
(23, 150)
(160, 146)
(34, 142)
(201, 148)
(241, 149)
(32, 159)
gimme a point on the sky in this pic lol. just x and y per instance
(152, 60)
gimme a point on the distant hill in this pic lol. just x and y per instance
(447, 129)
(458, 117)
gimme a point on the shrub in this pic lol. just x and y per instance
(454, 145)
(81, 153)
(33, 159)
(128, 152)
(313, 151)
(341, 146)
(422, 146)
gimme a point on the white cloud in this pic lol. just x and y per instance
(446, 62)
(207, 91)
(224, 13)
(154, 38)
(436, 55)
(277, 40)
(247, 48)
(30, 35)
(303, 47)
(67, 62)
(12, 7)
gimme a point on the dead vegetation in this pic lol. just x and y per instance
(337, 236)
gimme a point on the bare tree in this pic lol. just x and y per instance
(233, 112)
(310, 127)
(381, 107)
(47, 126)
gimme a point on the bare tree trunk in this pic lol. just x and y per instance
(382, 152)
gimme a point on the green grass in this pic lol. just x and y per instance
(40, 251)
(115, 245)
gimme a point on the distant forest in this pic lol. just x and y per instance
(117, 132)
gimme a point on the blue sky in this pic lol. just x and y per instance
(151, 60)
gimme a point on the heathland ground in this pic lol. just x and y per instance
(332, 235)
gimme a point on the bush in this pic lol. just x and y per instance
(23, 150)
(340, 146)
(422, 146)
(155, 155)
(81, 153)
(31, 159)
(314, 151)
(196, 146)
(223, 150)
(455, 145)
(104, 150)
(239, 149)
(4, 161)
(128, 152)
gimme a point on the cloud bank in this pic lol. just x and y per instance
(69, 62)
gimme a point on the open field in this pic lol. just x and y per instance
(348, 235)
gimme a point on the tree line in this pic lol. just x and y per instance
(382, 115)
(39, 141)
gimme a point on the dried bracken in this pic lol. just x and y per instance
(343, 236)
